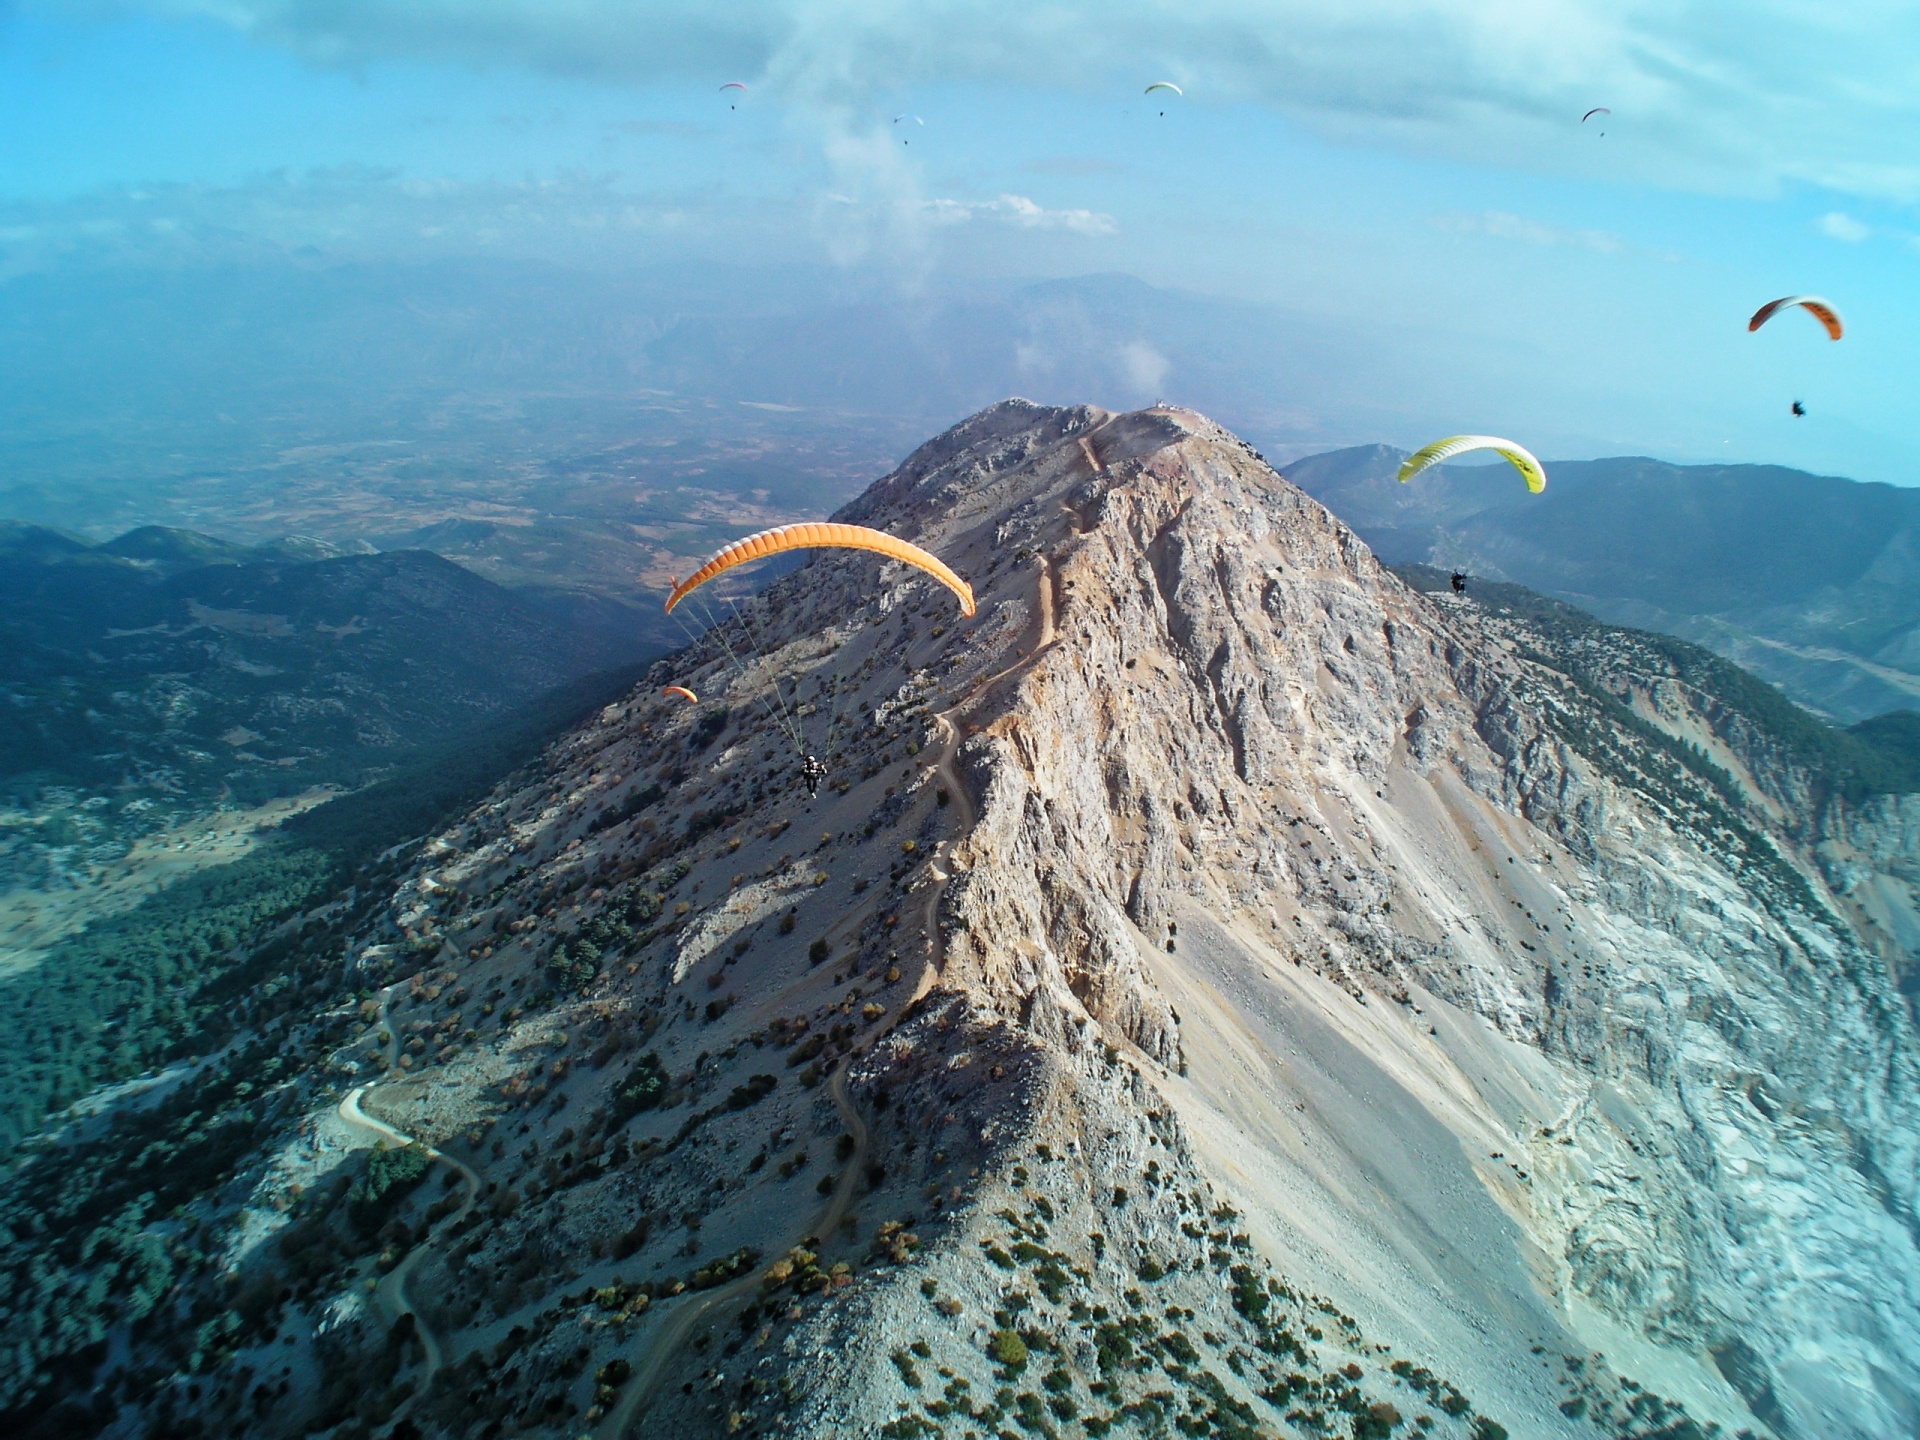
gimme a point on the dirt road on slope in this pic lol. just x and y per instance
(675, 1329)
(391, 1294)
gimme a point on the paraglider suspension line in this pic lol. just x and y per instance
(789, 722)
(717, 629)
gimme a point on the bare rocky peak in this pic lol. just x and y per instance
(1216, 974)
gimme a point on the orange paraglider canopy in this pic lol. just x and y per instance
(823, 535)
(1820, 309)
(684, 693)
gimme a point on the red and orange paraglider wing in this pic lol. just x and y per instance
(1821, 310)
(684, 693)
(823, 535)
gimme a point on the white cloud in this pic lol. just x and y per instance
(1022, 213)
(1145, 367)
(1838, 225)
(1704, 95)
(352, 213)
(1504, 226)
(344, 214)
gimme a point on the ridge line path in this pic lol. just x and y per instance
(1044, 640)
(390, 1294)
(667, 1342)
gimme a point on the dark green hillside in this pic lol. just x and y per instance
(176, 975)
(1876, 757)
(173, 549)
(1895, 737)
(240, 972)
(1810, 581)
(185, 666)
(21, 541)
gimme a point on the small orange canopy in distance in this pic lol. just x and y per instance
(1812, 304)
(684, 693)
(821, 534)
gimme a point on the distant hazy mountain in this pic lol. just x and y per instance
(121, 392)
(179, 664)
(317, 345)
(1811, 581)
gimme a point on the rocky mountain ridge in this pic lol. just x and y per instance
(1222, 988)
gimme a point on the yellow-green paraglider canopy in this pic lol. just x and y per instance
(1518, 456)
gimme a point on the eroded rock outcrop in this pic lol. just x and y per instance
(1231, 709)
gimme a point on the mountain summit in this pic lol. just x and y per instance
(1222, 988)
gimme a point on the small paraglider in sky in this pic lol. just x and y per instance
(1596, 110)
(684, 693)
(1821, 310)
(902, 119)
(739, 85)
(1164, 85)
(1531, 470)
(1459, 582)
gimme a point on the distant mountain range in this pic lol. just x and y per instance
(173, 663)
(1808, 580)
(132, 398)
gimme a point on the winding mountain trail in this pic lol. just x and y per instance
(1044, 638)
(842, 1201)
(391, 1293)
(942, 768)
(686, 1318)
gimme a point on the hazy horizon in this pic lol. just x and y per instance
(1354, 226)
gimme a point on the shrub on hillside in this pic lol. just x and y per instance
(389, 1176)
(642, 1089)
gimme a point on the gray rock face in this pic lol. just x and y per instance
(1234, 713)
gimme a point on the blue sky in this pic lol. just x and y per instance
(1413, 172)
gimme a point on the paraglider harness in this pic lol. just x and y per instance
(812, 772)
(1459, 583)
